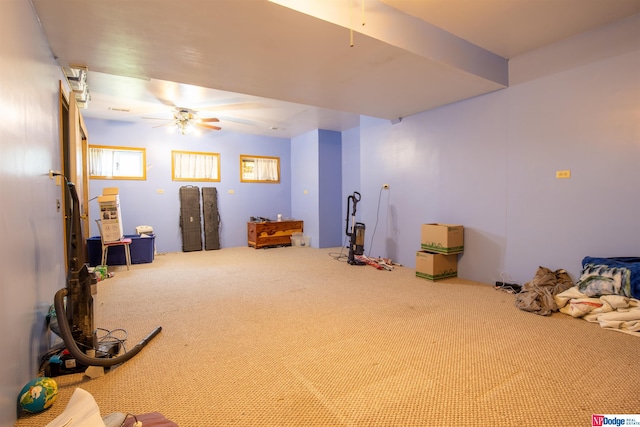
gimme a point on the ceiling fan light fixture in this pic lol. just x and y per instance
(187, 122)
(186, 127)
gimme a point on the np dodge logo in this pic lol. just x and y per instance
(613, 420)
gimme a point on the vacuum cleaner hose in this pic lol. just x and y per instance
(67, 337)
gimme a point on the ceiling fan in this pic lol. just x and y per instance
(186, 120)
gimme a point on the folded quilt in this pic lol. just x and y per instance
(615, 312)
(632, 264)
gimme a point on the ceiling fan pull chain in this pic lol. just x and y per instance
(351, 20)
(351, 25)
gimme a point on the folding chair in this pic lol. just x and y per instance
(125, 242)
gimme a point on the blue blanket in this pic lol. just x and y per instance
(630, 263)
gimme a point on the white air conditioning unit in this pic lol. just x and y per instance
(77, 78)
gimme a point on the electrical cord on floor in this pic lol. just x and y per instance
(376, 225)
(107, 338)
(340, 256)
(106, 341)
(135, 424)
(110, 338)
(507, 284)
(511, 289)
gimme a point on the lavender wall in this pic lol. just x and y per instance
(489, 163)
(586, 120)
(32, 253)
(330, 188)
(448, 166)
(141, 204)
(305, 172)
(350, 174)
(316, 170)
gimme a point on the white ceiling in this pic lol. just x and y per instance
(267, 69)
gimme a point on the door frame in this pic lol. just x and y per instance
(74, 158)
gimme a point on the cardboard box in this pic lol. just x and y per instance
(436, 266)
(442, 238)
(110, 215)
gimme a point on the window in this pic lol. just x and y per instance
(194, 166)
(117, 162)
(259, 169)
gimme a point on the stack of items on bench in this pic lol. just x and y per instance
(441, 244)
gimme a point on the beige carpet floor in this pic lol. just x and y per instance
(296, 337)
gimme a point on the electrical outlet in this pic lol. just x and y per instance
(385, 186)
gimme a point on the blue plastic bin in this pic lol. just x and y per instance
(142, 251)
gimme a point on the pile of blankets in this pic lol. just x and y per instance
(606, 293)
(537, 295)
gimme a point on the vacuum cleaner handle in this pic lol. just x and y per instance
(355, 197)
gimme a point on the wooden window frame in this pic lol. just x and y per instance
(143, 160)
(247, 175)
(195, 179)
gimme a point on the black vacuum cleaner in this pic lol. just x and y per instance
(355, 231)
(75, 317)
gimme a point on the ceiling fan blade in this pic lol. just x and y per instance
(159, 126)
(156, 118)
(209, 126)
(211, 119)
(166, 102)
